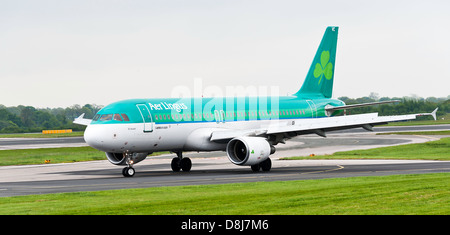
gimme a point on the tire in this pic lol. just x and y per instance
(186, 164)
(266, 165)
(175, 164)
(128, 171)
(256, 167)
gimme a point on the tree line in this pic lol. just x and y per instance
(407, 105)
(23, 119)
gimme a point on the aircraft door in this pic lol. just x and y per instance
(146, 117)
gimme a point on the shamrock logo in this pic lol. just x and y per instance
(325, 68)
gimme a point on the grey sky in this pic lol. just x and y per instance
(60, 53)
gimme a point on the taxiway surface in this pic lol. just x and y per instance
(100, 175)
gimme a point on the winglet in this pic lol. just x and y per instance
(434, 113)
(82, 121)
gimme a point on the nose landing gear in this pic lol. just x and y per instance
(178, 163)
(129, 170)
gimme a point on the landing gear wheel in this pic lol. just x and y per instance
(256, 167)
(186, 164)
(128, 171)
(175, 164)
(266, 165)
(180, 163)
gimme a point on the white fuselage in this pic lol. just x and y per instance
(164, 137)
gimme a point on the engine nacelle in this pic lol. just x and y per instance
(247, 151)
(119, 158)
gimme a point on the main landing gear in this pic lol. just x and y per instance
(180, 163)
(129, 170)
(265, 165)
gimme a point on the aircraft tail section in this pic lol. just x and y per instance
(319, 80)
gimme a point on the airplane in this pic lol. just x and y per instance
(246, 128)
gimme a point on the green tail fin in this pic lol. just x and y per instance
(319, 80)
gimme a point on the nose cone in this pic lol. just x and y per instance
(93, 137)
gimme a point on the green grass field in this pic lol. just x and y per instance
(397, 194)
(55, 155)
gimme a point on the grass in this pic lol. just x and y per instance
(397, 194)
(55, 155)
(432, 150)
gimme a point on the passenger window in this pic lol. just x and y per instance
(125, 117)
(106, 117)
(117, 117)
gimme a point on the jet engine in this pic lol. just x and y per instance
(119, 158)
(248, 151)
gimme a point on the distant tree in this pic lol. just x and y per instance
(27, 116)
(375, 96)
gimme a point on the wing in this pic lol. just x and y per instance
(82, 121)
(286, 129)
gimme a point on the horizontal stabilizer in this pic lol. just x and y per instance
(330, 109)
(82, 121)
(352, 106)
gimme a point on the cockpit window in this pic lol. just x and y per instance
(106, 117)
(117, 117)
(125, 117)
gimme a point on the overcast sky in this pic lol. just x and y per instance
(60, 53)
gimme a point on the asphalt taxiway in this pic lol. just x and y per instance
(100, 175)
(34, 143)
(215, 168)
